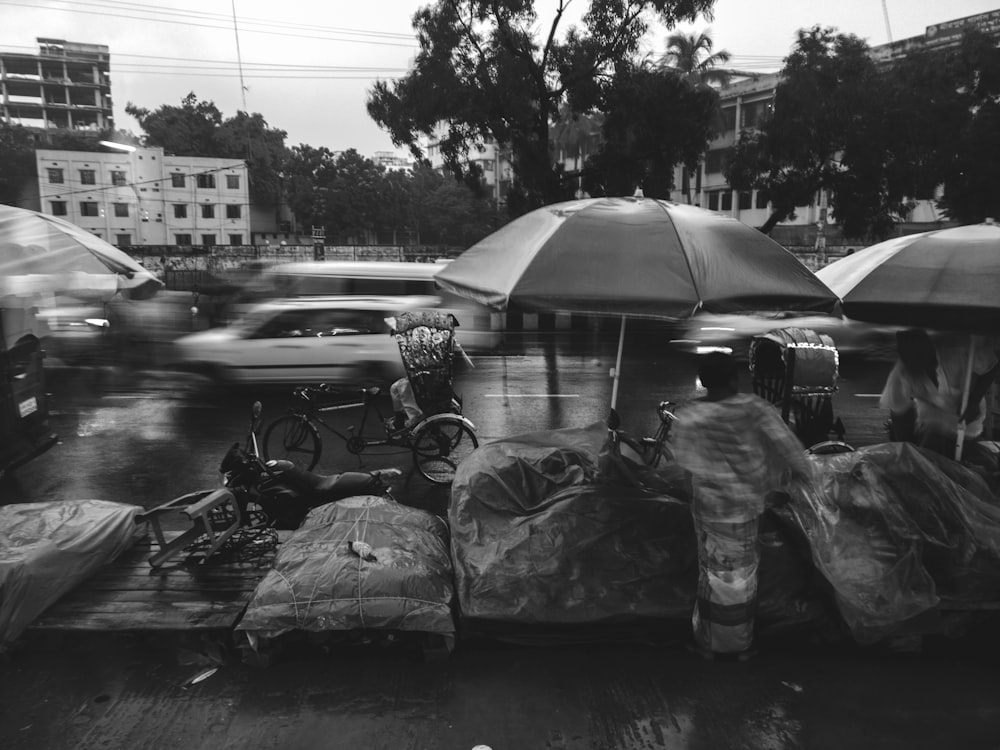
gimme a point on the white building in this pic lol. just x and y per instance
(144, 197)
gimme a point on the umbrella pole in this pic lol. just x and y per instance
(960, 438)
(618, 365)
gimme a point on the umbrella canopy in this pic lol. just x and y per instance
(638, 257)
(945, 279)
(634, 257)
(41, 252)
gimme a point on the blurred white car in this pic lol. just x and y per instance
(733, 333)
(303, 340)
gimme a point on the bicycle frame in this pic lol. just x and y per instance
(313, 412)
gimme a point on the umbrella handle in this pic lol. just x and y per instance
(618, 365)
(960, 435)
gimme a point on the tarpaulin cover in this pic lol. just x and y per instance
(548, 528)
(365, 562)
(46, 549)
(896, 530)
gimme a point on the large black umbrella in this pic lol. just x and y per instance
(633, 257)
(39, 252)
(946, 280)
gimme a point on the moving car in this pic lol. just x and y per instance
(734, 332)
(303, 340)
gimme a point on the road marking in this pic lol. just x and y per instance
(531, 395)
(868, 395)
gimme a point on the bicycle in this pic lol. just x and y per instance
(439, 442)
(652, 450)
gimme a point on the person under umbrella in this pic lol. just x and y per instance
(924, 391)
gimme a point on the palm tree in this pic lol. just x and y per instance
(691, 56)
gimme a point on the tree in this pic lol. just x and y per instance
(482, 73)
(656, 119)
(187, 130)
(198, 128)
(17, 162)
(828, 130)
(691, 56)
(970, 153)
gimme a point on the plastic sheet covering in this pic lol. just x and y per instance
(365, 562)
(46, 549)
(536, 538)
(896, 530)
(558, 527)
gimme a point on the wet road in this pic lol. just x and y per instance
(146, 439)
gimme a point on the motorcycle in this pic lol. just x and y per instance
(258, 497)
(279, 494)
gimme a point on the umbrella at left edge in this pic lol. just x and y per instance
(44, 253)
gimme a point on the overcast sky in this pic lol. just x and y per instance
(308, 64)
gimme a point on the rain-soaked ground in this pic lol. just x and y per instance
(145, 438)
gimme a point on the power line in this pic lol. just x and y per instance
(80, 6)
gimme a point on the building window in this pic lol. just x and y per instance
(755, 114)
(123, 240)
(208, 211)
(88, 177)
(177, 180)
(713, 200)
(55, 176)
(121, 209)
(208, 239)
(180, 211)
(745, 200)
(236, 239)
(233, 181)
(761, 201)
(727, 200)
(89, 208)
(182, 239)
(58, 208)
(716, 161)
(117, 178)
(233, 211)
(728, 120)
(206, 180)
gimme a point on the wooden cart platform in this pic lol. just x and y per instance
(129, 595)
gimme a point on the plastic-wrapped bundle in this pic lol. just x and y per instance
(47, 549)
(894, 529)
(366, 562)
(549, 528)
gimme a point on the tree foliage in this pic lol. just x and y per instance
(198, 128)
(495, 71)
(878, 137)
(17, 162)
(357, 201)
(827, 130)
(656, 119)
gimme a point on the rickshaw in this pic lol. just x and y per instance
(797, 369)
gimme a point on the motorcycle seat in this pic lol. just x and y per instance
(330, 487)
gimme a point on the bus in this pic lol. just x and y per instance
(385, 278)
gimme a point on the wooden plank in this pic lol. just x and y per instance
(129, 595)
(142, 616)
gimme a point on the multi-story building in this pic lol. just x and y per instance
(143, 197)
(66, 86)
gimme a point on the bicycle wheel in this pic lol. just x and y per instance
(440, 446)
(293, 438)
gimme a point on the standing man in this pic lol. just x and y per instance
(737, 449)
